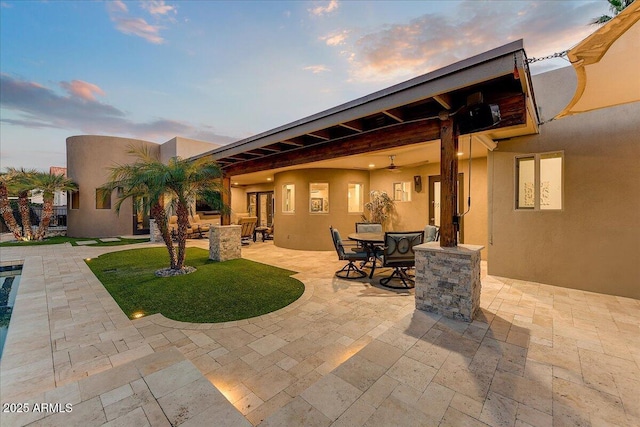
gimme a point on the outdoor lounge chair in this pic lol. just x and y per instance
(248, 225)
(349, 271)
(398, 254)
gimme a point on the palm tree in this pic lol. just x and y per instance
(177, 183)
(22, 183)
(616, 6)
(5, 206)
(48, 184)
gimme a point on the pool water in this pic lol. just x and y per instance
(9, 281)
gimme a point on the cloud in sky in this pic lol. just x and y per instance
(324, 9)
(336, 39)
(156, 7)
(317, 69)
(84, 90)
(37, 106)
(126, 24)
(434, 40)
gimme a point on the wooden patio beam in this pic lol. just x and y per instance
(393, 136)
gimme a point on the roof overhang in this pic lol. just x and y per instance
(403, 114)
(607, 64)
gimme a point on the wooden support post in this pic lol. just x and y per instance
(225, 218)
(449, 181)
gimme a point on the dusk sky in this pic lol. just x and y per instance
(220, 71)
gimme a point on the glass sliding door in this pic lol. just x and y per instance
(140, 215)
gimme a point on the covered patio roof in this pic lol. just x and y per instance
(401, 115)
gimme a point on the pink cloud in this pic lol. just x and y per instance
(127, 24)
(84, 90)
(335, 39)
(157, 7)
(431, 41)
(321, 10)
(316, 69)
(139, 27)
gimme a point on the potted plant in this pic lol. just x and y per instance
(380, 207)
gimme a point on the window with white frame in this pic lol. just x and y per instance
(288, 198)
(539, 181)
(402, 191)
(355, 195)
(319, 197)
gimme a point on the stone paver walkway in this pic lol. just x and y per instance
(346, 354)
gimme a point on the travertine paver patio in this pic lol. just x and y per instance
(346, 354)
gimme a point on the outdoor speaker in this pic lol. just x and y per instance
(417, 183)
(478, 117)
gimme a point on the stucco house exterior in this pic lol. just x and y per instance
(89, 159)
(551, 201)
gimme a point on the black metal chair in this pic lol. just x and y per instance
(399, 255)
(370, 227)
(349, 271)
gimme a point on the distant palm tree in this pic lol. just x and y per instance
(616, 6)
(47, 184)
(175, 184)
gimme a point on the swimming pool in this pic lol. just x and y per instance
(9, 282)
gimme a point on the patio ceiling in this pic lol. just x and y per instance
(401, 120)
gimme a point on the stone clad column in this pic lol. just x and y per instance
(154, 232)
(224, 242)
(448, 280)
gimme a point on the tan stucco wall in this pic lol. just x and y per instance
(89, 158)
(414, 215)
(310, 231)
(594, 242)
(184, 148)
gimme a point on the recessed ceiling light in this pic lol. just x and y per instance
(236, 183)
(268, 179)
(460, 153)
(371, 165)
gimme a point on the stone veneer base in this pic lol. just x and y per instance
(224, 242)
(448, 280)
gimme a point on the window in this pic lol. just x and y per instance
(74, 199)
(103, 199)
(288, 198)
(402, 191)
(211, 202)
(319, 197)
(355, 202)
(539, 181)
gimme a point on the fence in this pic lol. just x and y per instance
(58, 219)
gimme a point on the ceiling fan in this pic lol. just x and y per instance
(392, 166)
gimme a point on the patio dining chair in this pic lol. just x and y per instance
(399, 255)
(349, 271)
(370, 227)
(431, 233)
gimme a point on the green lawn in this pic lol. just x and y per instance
(64, 239)
(216, 292)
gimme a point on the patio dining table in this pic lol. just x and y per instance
(369, 242)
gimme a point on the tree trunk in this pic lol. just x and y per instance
(182, 211)
(7, 213)
(23, 205)
(47, 213)
(160, 216)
